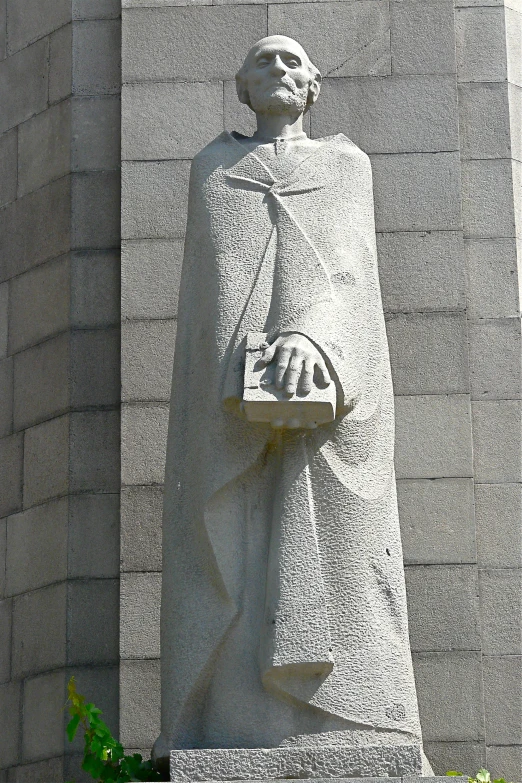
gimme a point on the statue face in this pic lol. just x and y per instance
(278, 76)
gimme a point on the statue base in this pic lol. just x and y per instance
(304, 762)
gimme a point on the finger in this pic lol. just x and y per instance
(323, 369)
(307, 377)
(282, 363)
(293, 373)
(269, 353)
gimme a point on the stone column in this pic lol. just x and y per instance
(59, 374)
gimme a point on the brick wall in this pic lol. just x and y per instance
(431, 90)
(59, 374)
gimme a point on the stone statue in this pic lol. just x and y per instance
(284, 622)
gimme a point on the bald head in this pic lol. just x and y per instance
(277, 74)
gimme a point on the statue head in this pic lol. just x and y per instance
(278, 77)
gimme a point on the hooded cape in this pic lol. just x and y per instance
(294, 255)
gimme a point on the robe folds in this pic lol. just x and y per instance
(291, 255)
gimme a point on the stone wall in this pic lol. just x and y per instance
(431, 90)
(59, 374)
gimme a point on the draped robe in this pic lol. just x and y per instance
(296, 254)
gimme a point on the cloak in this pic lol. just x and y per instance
(290, 255)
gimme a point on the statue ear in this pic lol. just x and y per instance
(242, 92)
(314, 89)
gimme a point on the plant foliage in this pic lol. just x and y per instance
(482, 776)
(103, 756)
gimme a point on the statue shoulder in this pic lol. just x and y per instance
(350, 152)
(215, 153)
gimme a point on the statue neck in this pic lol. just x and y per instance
(271, 127)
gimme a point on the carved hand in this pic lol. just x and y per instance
(297, 357)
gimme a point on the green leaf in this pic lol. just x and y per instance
(72, 727)
(453, 774)
(483, 776)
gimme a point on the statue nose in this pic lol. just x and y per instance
(278, 67)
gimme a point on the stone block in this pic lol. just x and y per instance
(515, 4)
(481, 44)
(27, 68)
(95, 288)
(6, 607)
(8, 167)
(43, 730)
(153, 128)
(35, 228)
(437, 520)
(406, 114)
(95, 449)
(39, 630)
(495, 359)
(10, 704)
(46, 458)
(443, 607)
(496, 441)
(488, 208)
(38, 772)
(96, 58)
(160, 3)
(465, 757)
(379, 762)
(513, 22)
(492, 275)
(503, 699)
(4, 303)
(505, 760)
(92, 622)
(96, 9)
(498, 511)
(484, 120)
(36, 547)
(140, 615)
(95, 371)
(433, 437)
(154, 203)
(41, 382)
(3, 554)
(147, 355)
(39, 304)
(144, 442)
(140, 699)
(449, 690)
(515, 117)
(141, 510)
(95, 210)
(93, 536)
(95, 133)
(150, 276)
(11, 470)
(422, 37)
(3, 29)
(428, 352)
(60, 64)
(6, 397)
(501, 611)
(342, 39)
(44, 148)
(417, 192)
(160, 44)
(31, 20)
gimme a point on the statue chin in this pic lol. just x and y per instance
(280, 102)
